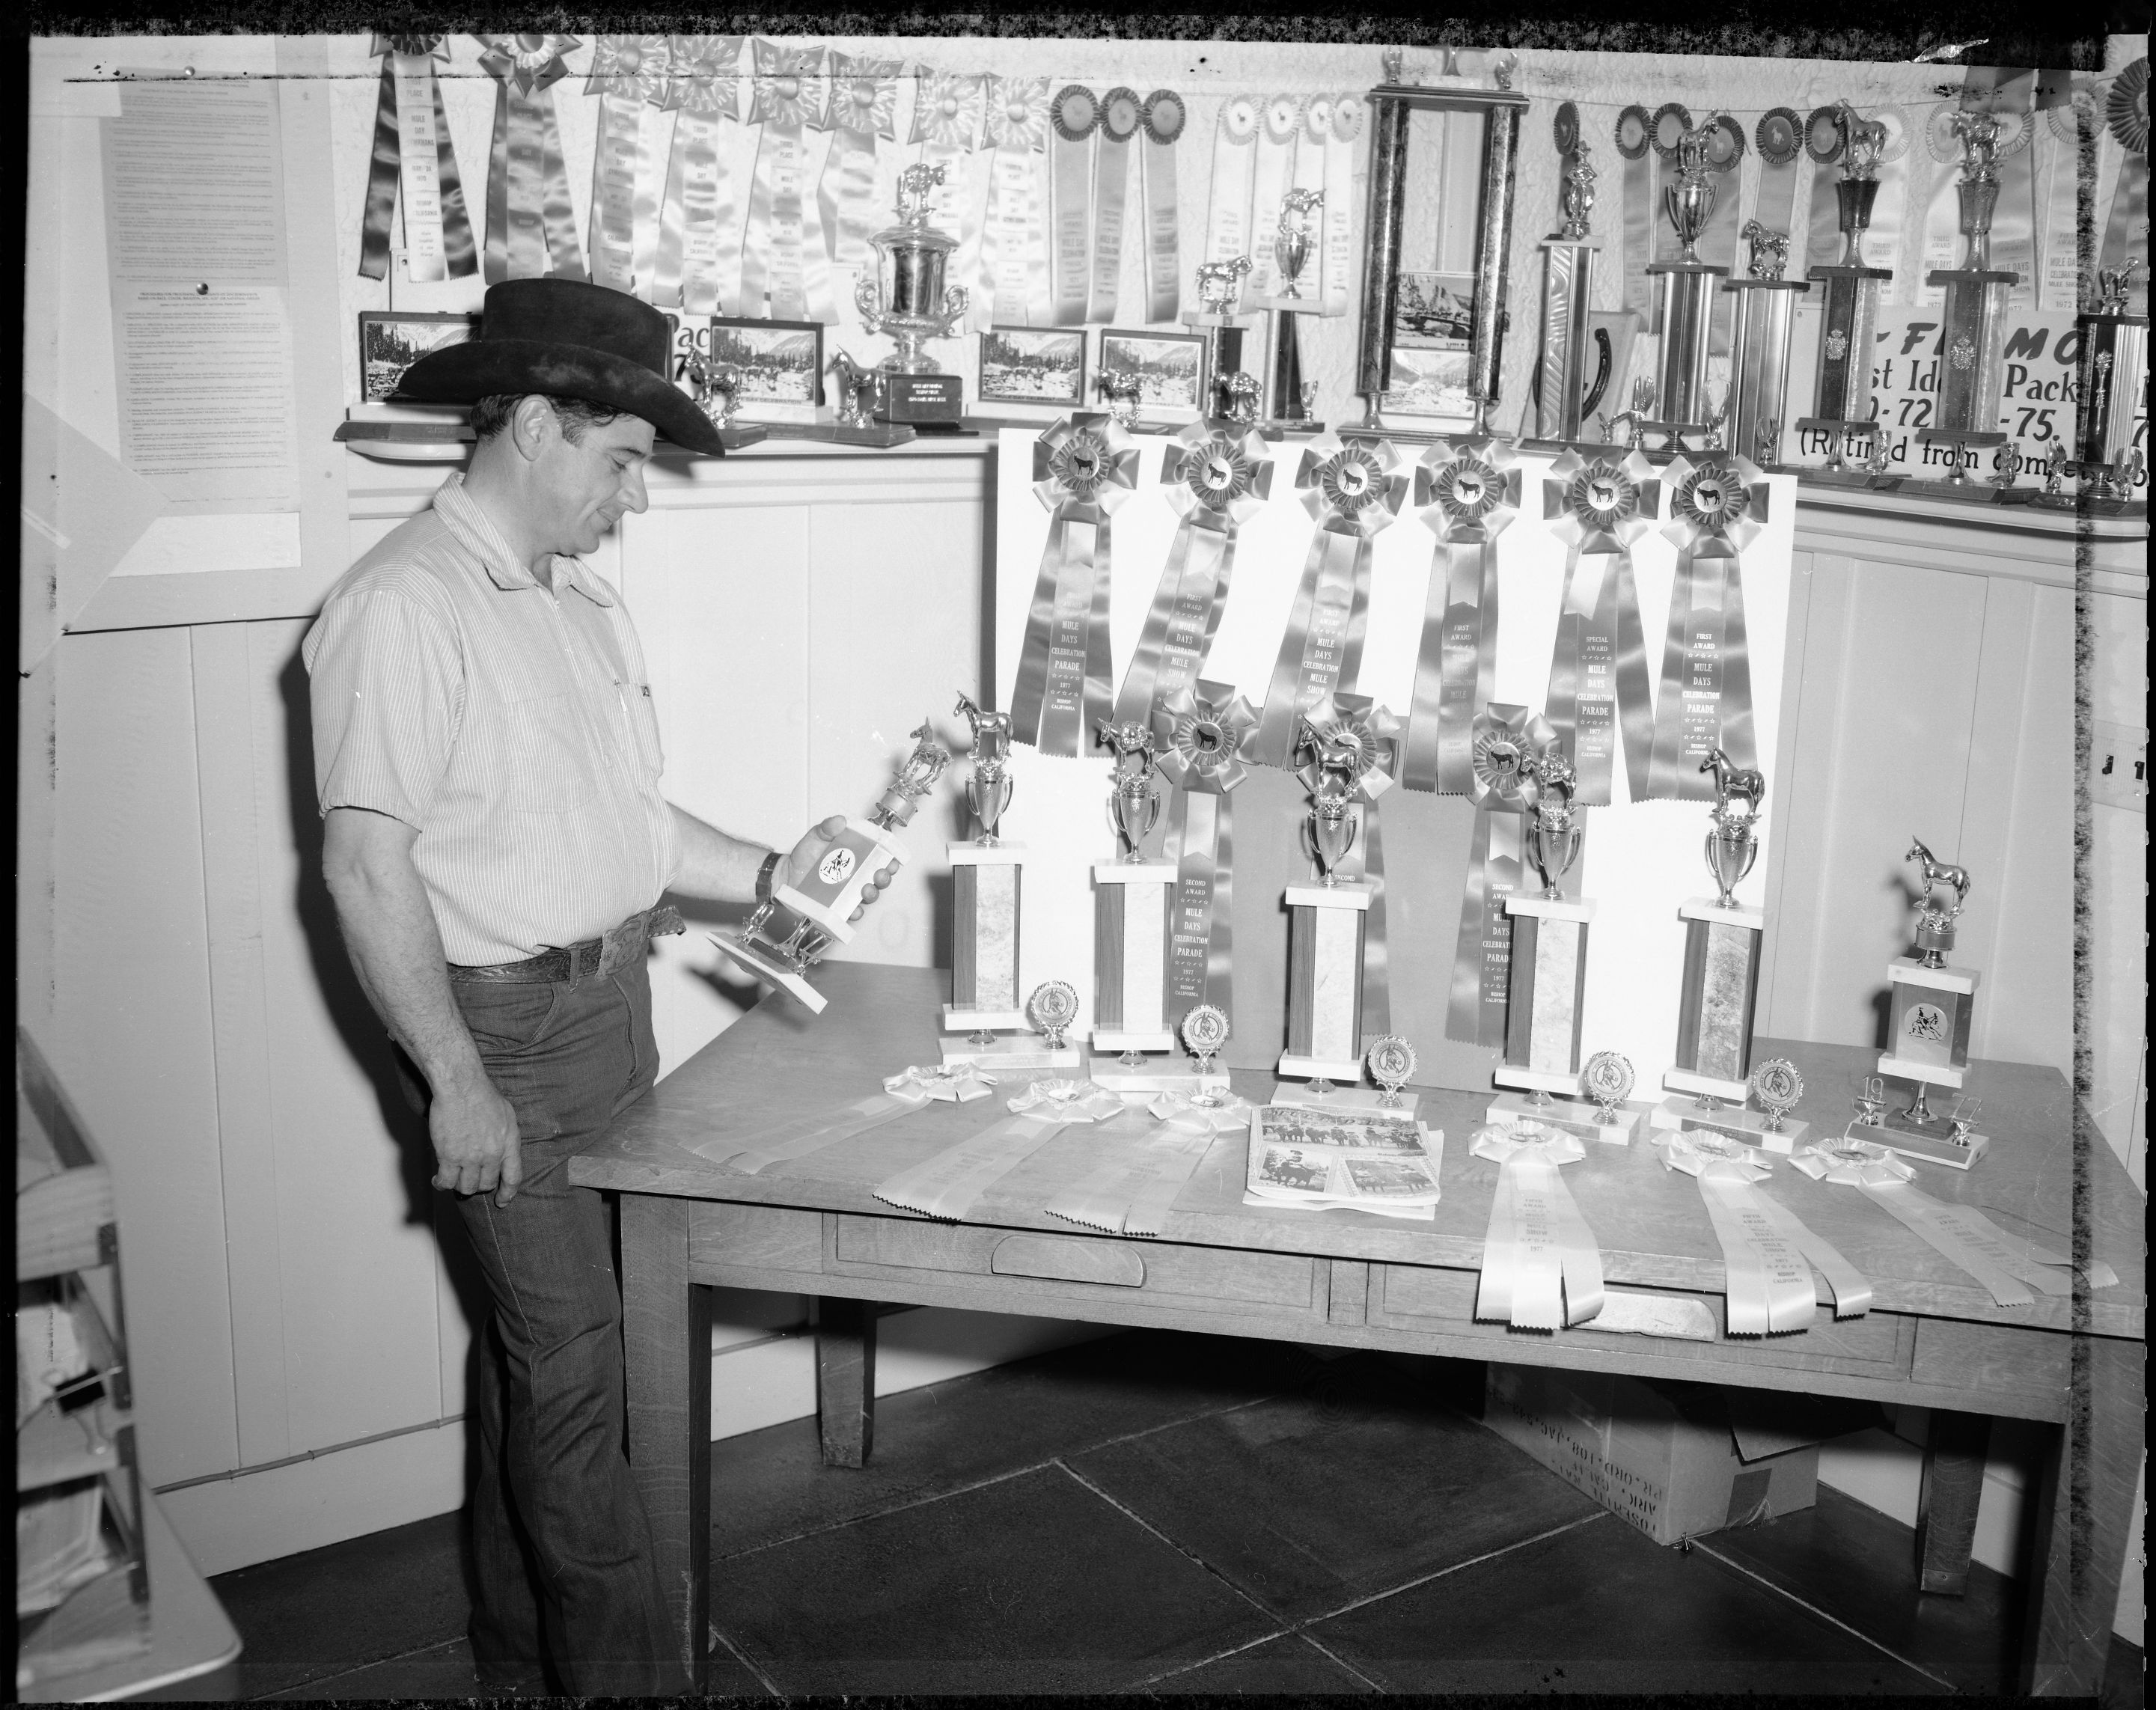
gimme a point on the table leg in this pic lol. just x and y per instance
(845, 1379)
(2083, 1511)
(1948, 1498)
(666, 1328)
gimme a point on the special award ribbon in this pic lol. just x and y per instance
(948, 108)
(1075, 115)
(1717, 508)
(628, 73)
(1218, 477)
(412, 151)
(531, 228)
(1466, 493)
(1353, 490)
(696, 221)
(1598, 685)
(1348, 114)
(1272, 176)
(1163, 117)
(776, 257)
(859, 110)
(1202, 736)
(1121, 113)
(1356, 726)
(1767, 1252)
(909, 1090)
(1084, 467)
(1228, 231)
(1634, 138)
(1542, 1268)
(1503, 739)
(1013, 256)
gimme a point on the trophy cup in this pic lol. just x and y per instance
(1290, 251)
(812, 917)
(1568, 293)
(1849, 315)
(906, 297)
(986, 884)
(2113, 376)
(1326, 920)
(1686, 302)
(1759, 347)
(1929, 1012)
(1219, 294)
(715, 388)
(1131, 898)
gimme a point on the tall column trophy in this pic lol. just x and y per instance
(1219, 295)
(1291, 395)
(1686, 298)
(986, 875)
(785, 934)
(1849, 314)
(2113, 376)
(1929, 1009)
(1759, 330)
(905, 296)
(1973, 366)
(1327, 919)
(1131, 896)
(1568, 293)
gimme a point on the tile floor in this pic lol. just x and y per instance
(1175, 1513)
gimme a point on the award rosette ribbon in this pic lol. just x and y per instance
(2126, 117)
(1219, 477)
(1767, 1249)
(861, 107)
(1824, 143)
(1353, 729)
(1716, 506)
(531, 228)
(412, 154)
(1542, 1268)
(697, 215)
(911, 1089)
(1228, 230)
(1085, 466)
(628, 73)
(1122, 115)
(1075, 115)
(1779, 138)
(1465, 494)
(948, 108)
(1633, 139)
(1598, 685)
(785, 269)
(1348, 112)
(1164, 117)
(1353, 490)
(1503, 740)
(1201, 735)
(1014, 255)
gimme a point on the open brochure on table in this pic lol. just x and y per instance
(1365, 1160)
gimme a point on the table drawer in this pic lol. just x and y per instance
(1219, 1279)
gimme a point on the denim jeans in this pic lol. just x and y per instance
(555, 1500)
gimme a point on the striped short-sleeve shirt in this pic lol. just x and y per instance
(511, 726)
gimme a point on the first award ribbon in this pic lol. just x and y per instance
(628, 73)
(1085, 467)
(698, 215)
(1354, 735)
(1503, 739)
(1598, 684)
(780, 258)
(412, 149)
(1201, 736)
(1542, 1267)
(1717, 508)
(1465, 494)
(1353, 490)
(531, 228)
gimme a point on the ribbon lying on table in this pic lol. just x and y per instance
(1717, 508)
(909, 1090)
(628, 73)
(1202, 736)
(2005, 1264)
(697, 219)
(1766, 1250)
(1502, 740)
(861, 107)
(1353, 490)
(1541, 1269)
(782, 259)
(950, 1183)
(1216, 478)
(531, 228)
(1356, 725)
(948, 107)
(1633, 139)
(1598, 683)
(1164, 117)
(1013, 257)
(1074, 115)
(412, 151)
(1234, 155)
(1465, 493)
(1084, 467)
(1130, 1192)
(1348, 113)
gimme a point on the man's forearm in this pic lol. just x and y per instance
(397, 950)
(714, 866)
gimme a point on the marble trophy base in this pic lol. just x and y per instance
(1326, 925)
(1162, 1070)
(1717, 1000)
(1574, 1116)
(1547, 982)
(1303, 1096)
(1749, 1127)
(768, 968)
(1013, 1051)
(1928, 1142)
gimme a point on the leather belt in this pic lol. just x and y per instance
(573, 962)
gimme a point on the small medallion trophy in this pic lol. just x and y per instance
(905, 296)
(812, 917)
(1131, 896)
(1929, 1009)
(1759, 347)
(987, 875)
(1567, 292)
(1290, 254)
(1722, 940)
(1849, 310)
(1686, 299)
(1326, 923)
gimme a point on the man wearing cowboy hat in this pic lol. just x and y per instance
(487, 760)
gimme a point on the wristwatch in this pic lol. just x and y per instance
(765, 875)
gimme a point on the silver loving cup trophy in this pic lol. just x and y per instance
(1731, 847)
(1331, 827)
(1554, 835)
(1691, 200)
(1292, 242)
(1135, 807)
(988, 790)
(904, 295)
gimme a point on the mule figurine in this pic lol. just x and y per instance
(1938, 872)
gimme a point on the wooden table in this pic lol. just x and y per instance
(813, 1226)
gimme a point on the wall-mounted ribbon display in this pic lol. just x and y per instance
(699, 239)
(1353, 490)
(1228, 231)
(1075, 115)
(1466, 493)
(1542, 1268)
(781, 258)
(1825, 145)
(1122, 115)
(1084, 467)
(531, 228)
(861, 111)
(1202, 731)
(949, 108)
(1349, 113)
(1598, 687)
(1365, 735)
(628, 73)
(1164, 117)
(1503, 741)
(1766, 1250)
(1717, 508)
(1013, 258)
(415, 163)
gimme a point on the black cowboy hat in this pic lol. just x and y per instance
(566, 339)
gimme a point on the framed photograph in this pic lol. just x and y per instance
(1034, 365)
(1169, 368)
(390, 342)
(781, 364)
(1430, 382)
(1434, 311)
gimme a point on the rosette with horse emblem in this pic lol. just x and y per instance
(1467, 492)
(1201, 735)
(1504, 740)
(1598, 684)
(1084, 467)
(1717, 506)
